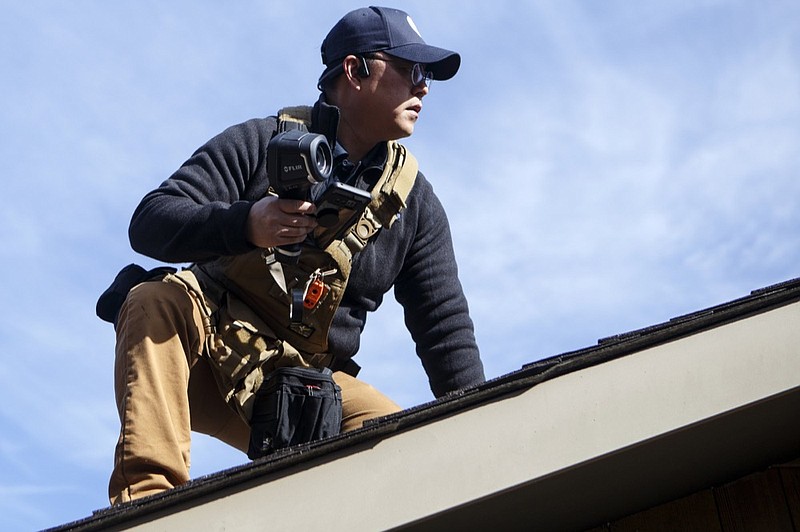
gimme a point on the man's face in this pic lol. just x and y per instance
(390, 103)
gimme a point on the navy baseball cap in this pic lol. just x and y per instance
(383, 29)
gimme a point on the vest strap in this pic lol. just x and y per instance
(297, 116)
(346, 365)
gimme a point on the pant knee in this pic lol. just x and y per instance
(361, 401)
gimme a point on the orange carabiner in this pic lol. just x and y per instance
(316, 291)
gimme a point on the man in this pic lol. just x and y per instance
(216, 211)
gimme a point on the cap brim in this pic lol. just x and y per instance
(444, 64)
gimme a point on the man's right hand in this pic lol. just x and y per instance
(276, 222)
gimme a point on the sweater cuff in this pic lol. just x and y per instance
(236, 239)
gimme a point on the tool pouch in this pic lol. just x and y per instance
(294, 405)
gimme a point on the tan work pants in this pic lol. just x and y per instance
(165, 389)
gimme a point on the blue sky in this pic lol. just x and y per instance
(605, 165)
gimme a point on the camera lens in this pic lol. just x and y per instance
(316, 152)
(322, 159)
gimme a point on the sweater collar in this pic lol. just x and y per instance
(325, 119)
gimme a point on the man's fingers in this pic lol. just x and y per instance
(297, 206)
(274, 221)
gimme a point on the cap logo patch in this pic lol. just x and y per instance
(413, 26)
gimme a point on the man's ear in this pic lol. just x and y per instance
(355, 67)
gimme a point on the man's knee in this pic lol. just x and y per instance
(156, 299)
(361, 401)
(160, 311)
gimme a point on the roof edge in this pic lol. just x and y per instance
(529, 375)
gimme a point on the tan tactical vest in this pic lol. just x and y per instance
(251, 297)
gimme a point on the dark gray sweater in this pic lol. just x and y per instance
(199, 214)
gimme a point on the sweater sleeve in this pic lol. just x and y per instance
(200, 212)
(435, 307)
